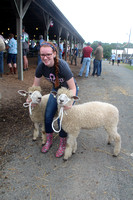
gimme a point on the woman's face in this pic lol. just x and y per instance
(47, 56)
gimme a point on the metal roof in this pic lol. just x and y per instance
(34, 19)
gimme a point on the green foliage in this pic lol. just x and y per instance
(107, 48)
(128, 66)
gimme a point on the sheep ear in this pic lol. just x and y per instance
(54, 93)
(76, 98)
(23, 92)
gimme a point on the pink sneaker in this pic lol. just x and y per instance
(49, 142)
(62, 146)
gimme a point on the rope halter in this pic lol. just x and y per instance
(34, 96)
(62, 100)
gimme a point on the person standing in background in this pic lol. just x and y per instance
(2, 48)
(60, 50)
(12, 54)
(74, 56)
(86, 60)
(113, 56)
(25, 42)
(98, 60)
(118, 59)
(41, 40)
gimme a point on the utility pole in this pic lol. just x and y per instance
(129, 41)
(116, 48)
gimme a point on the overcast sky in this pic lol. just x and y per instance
(100, 20)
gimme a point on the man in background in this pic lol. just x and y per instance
(98, 60)
(113, 57)
(41, 40)
(60, 50)
(75, 54)
(86, 60)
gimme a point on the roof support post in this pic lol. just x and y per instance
(59, 35)
(19, 48)
(71, 39)
(20, 12)
(47, 20)
(67, 35)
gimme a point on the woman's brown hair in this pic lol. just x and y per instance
(56, 61)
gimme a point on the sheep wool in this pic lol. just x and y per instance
(38, 105)
(89, 116)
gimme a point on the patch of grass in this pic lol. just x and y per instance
(128, 66)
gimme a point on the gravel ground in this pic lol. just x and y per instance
(90, 174)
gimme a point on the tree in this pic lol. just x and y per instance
(107, 48)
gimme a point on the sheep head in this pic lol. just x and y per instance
(34, 94)
(65, 97)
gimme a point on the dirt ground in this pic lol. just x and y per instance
(90, 174)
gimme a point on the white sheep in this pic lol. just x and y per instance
(87, 115)
(37, 105)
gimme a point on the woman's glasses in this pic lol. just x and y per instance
(48, 55)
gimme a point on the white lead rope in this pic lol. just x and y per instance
(60, 117)
(29, 104)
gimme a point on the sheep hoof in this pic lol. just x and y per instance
(65, 160)
(109, 143)
(33, 140)
(114, 155)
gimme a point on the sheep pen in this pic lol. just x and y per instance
(89, 116)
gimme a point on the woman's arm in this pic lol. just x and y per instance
(36, 81)
(71, 85)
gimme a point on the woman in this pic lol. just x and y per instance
(12, 54)
(118, 59)
(59, 74)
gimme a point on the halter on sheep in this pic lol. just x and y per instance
(33, 99)
(36, 113)
(62, 100)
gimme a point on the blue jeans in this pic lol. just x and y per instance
(86, 62)
(1, 62)
(97, 67)
(39, 60)
(50, 112)
(60, 54)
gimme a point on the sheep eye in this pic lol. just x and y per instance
(30, 93)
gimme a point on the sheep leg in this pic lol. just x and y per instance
(113, 135)
(36, 131)
(43, 135)
(69, 147)
(117, 148)
(74, 148)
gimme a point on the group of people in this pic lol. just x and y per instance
(86, 60)
(113, 58)
(11, 48)
(74, 53)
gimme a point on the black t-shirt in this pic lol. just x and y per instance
(64, 74)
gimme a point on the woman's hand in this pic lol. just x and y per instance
(67, 107)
